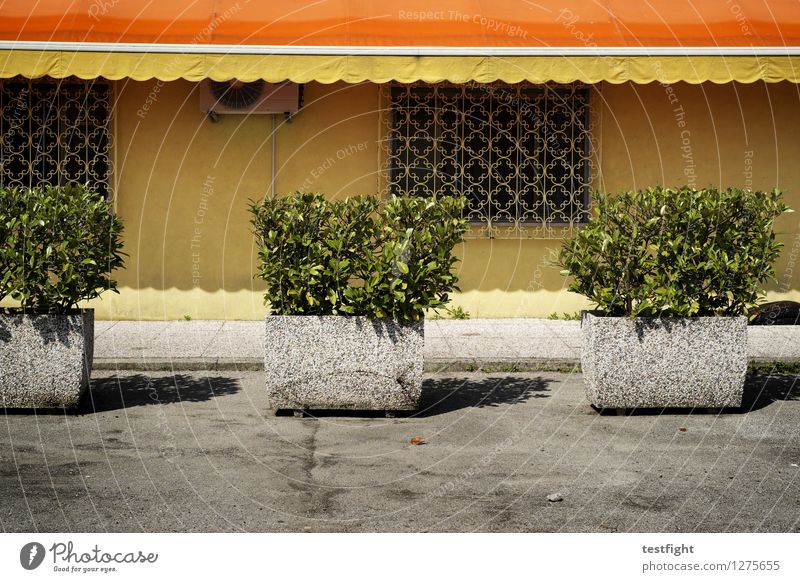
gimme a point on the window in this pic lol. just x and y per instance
(54, 132)
(520, 153)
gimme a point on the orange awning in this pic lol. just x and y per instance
(408, 40)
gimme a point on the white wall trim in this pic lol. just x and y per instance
(236, 49)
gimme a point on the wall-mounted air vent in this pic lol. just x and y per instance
(249, 97)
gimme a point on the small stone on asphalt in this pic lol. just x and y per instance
(554, 497)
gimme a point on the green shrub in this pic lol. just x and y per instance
(59, 246)
(457, 312)
(321, 257)
(675, 252)
(565, 316)
(310, 249)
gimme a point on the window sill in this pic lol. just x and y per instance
(522, 230)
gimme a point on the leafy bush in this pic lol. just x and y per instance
(565, 316)
(310, 249)
(457, 312)
(321, 257)
(59, 246)
(675, 252)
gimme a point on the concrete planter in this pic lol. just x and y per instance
(45, 360)
(656, 363)
(334, 362)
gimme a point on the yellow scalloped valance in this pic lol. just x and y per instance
(382, 69)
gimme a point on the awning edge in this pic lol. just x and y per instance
(404, 69)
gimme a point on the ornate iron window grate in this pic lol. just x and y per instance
(522, 154)
(55, 131)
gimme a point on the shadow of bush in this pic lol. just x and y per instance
(761, 390)
(119, 392)
(442, 395)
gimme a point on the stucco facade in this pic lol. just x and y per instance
(182, 185)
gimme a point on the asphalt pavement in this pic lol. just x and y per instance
(523, 452)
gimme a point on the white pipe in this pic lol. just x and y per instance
(238, 49)
(272, 163)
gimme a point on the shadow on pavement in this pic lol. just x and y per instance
(118, 392)
(761, 390)
(441, 395)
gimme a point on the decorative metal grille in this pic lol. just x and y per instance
(54, 132)
(522, 154)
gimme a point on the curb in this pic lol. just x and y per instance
(441, 365)
(179, 364)
(431, 366)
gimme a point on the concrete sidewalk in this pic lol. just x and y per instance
(449, 344)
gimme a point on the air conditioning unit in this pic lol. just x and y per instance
(249, 97)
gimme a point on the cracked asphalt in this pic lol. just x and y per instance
(200, 452)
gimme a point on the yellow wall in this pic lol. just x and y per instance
(183, 184)
(735, 134)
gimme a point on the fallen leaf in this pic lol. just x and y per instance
(419, 441)
(681, 429)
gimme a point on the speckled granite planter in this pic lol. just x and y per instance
(655, 363)
(333, 362)
(45, 360)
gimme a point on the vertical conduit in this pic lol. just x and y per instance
(272, 162)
